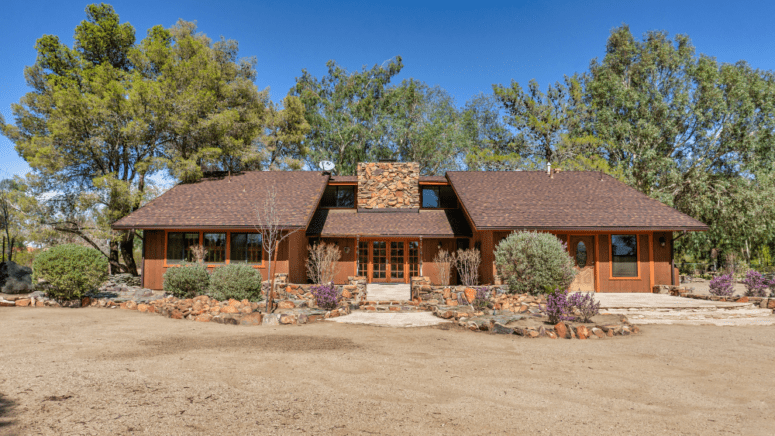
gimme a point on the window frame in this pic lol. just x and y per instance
(262, 251)
(211, 265)
(637, 257)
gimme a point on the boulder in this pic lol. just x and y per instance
(501, 329)
(560, 329)
(255, 318)
(23, 302)
(15, 279)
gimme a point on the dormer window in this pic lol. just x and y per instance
(438, 197)
(339, 196)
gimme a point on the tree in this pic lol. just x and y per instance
(492, 144)
(106, 114)
(272, 235)
(346, 114)
(424, 126)
(283, 141)
(689, 131)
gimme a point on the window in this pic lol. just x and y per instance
(215, 247)
(363, 258)
(581, 254)
(624, 256)
(179, 246)
(438, 197)
(338, 196)
(245, 248)
(414, 259)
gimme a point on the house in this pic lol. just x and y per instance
(390, 222)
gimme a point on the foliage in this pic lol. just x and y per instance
(26, 257)
(467, 262)
(71, 270)
(532, 262)
(187, 280)
(323, 262)
(584, 306)
(722, 286)
(444, 261)
(557, 307)
(755, 284)
(17, 219)
(235, 281)
(492, 144)
(482, 299)
(326, 296)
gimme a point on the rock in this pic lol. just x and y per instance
(742, 300)
(15, 279)
(501, 329)
(6, 303)
(446, 314)
(255, 318)
(451, 302)
(582, 332)
(551, 335)
(285, 304)
(271, 319)
(131, 305)
(176, 314)
(206, 317)
(531, 334)
(142, 307)
(226, 320)
(234, 303)
(23, 302)
(229, 309)
(346, 294)
(598, 333)
(561, 330)
(470, 294)
(287, 319)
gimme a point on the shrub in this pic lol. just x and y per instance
(584, 305)
(443, 261)
(237, 281)
(557, 307)
(187, 280)
(71, 270)
(481, 300)
(722, 286)
(534, 262)
(755, 284)
(326, 296)
(467, 263)
(323, 262)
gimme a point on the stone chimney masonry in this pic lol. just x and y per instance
(389, 185)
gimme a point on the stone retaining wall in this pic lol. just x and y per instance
(761, 302)
(388, 185)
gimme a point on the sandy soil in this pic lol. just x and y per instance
(97, 371)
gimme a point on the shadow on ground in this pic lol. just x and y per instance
(6, 408)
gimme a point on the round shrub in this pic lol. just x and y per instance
(187, 280)
(532, 262)
(235, 281)
(71, 270)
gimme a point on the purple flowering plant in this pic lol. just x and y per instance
(481, 300)
(722, 286)
(326, 296)
(561, 306)
(585, 306)
(755, 284)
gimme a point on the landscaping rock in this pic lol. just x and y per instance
(271, 319)
(23, 302)
(561, 330)
(501, 329)
(15, 279)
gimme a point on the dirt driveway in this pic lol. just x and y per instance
(97, 371)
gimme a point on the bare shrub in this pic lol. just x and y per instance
(444, 261)
(198, 253)
(323, 262)
(467, 263)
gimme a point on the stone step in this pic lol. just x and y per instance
(683, 314)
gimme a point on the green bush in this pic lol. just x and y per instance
(187, 280)
(235, 281)
(532, 262)
(71, 270)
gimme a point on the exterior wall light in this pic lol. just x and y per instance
(662, 241)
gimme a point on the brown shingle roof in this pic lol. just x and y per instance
(344, 179)
(224, 202)
(571, 200)
(433, 179)
(349, 222)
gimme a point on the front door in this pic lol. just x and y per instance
(582, 250)
(391, 261)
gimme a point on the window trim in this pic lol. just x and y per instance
(611, 256)
(201, 240)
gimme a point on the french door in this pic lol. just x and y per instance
(388, 261)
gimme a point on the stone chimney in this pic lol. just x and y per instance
(389, 185)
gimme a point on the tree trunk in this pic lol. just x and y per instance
(127, 246)
(115, 265)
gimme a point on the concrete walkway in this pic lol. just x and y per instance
(415, 319)
(657, 301)
(388, 292)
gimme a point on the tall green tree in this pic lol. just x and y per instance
(283, 143)
(346, 113)
(492, 144)
(688, 130)
(106, 114)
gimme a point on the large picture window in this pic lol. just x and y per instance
(180, 246)
(624, 256)
(438, 197)
(338, 196)
(245, 248)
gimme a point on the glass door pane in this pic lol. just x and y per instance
(363, 258)
(379, 259)
(397, 261)
(414, 259)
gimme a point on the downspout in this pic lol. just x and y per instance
(672, 257)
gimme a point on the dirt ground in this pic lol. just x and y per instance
(97, 371)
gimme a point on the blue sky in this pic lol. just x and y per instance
(462, 47)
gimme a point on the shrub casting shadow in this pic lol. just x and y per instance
(6, 407)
